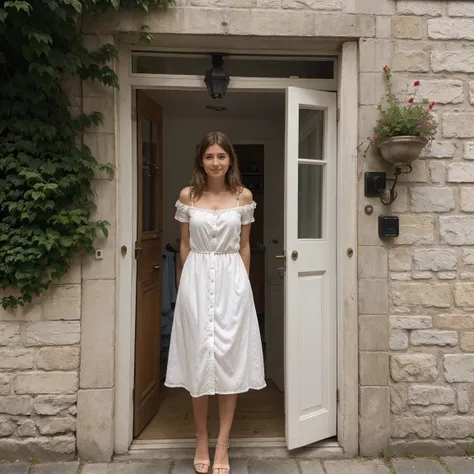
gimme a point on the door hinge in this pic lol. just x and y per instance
(134, 114)
(137, 250)
(337, 396)
(338, 113)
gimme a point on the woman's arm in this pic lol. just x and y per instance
(184, 249)
(245, 199)
(184, 246)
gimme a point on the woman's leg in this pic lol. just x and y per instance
(227, 405)
(201, 459)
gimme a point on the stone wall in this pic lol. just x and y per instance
(39, 374)
(416, 336)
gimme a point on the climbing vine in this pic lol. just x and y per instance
(46, 198)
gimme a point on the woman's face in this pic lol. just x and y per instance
(216, 162)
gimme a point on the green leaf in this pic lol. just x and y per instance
(19, 5)
(40, 37)
(76, 4)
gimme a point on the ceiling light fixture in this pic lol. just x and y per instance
(216, 78)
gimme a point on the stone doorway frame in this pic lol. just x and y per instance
(347, 325)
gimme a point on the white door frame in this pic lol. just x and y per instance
(347, 88)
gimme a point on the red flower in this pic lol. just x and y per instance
(410, 100)
(417, 83)
(431, 105)
(385, 68)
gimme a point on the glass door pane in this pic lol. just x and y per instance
(310, 201)
(311, 134)
(311, 173)
(150, 175)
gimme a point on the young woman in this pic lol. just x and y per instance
(215, 343)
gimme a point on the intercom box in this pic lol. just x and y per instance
(389, 226)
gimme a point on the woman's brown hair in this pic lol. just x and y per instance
(199, 177)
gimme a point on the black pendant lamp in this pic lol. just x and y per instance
(216, 78)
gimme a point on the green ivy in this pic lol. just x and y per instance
(46, 199)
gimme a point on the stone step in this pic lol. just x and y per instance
(448, 465)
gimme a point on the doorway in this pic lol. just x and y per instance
(255, 124)
(301, 187)
(346, 82)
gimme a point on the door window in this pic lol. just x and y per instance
(150, 174)
(311, 171)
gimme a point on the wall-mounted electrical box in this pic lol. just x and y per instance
(389, 226)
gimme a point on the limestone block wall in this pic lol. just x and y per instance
(39, 374)
(95, 399)
(416, 292)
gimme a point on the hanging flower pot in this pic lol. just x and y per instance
(404, 126)
(401, 150)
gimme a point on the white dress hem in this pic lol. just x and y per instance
(219, 392)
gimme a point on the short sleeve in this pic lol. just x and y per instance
(182, 212)
(247, 213)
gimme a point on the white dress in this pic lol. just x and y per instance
(215, 345)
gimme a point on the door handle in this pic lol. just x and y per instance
(156, 267)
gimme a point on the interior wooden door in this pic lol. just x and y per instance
(148, 253)
(310, 279)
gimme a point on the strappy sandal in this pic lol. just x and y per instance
(221, 468)
(201, 466)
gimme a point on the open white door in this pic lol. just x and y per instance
(310, 280)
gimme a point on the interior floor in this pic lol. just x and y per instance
(259, 413)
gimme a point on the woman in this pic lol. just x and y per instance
(215, 343)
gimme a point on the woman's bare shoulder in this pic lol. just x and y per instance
(246, 197)
(185, 195)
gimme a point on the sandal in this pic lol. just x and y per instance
(201, 466)
(221, 468)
